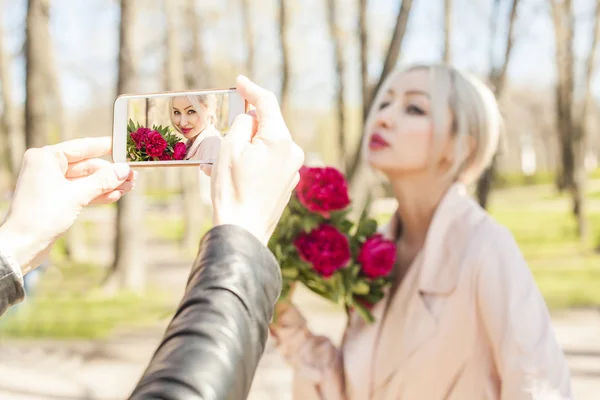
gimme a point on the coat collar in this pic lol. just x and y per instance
(409, 322)
(440, 268)
(194, 146)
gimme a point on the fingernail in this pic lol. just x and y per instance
(122, 170)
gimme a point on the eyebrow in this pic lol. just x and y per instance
(409, 92)
(418, 92)
(175, 108)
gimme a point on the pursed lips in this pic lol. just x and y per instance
(377, 142)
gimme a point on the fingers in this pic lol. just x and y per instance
(114, 195)
(207, 169)
(87, 167)
(83, 148)
(265, 102)
(105, 180)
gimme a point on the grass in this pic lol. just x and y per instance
(86, 316)
(69, 304)
(516, 179)
(566, 271)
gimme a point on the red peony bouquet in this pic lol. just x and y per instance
(318, 246)
(156, 144)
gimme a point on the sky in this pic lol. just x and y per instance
(85, 36)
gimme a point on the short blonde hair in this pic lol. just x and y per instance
(475, 114)
(209, 101)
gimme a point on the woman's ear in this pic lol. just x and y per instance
(451, 151)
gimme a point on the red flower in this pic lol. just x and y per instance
(325, 248)
(140, 137)
(179, 151)
(377, 256)
(322, 190)
(155, 144)
(165, 157)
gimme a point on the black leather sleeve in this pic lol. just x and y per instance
(212, 347)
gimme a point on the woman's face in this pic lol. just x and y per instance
(188, 119)
(399, 131)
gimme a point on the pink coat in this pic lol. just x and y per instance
(468, 322)
(206, 146)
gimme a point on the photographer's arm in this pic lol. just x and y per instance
(212, 347)
(12, 290)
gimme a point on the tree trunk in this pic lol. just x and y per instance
(193, 207)
(364, 57)
(248, 37)
(198, 74)
(497, 78)
(128, 269)
(391, 59)
(36, 118)
(13, 140)
(572, 127)
(338, 58)
(564, 31)
(58, 131)
(285, 53)
(447, 31)
(581, 132)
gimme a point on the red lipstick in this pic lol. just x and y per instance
(377, 142)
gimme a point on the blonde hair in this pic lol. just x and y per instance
(475, 114)
(209, 101)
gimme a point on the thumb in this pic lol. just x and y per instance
(103, 181)
(243, 129)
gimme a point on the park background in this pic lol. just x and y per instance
(98, 306)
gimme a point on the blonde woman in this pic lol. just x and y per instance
(463, 318)
(195, 118)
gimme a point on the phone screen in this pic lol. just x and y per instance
(179, 128)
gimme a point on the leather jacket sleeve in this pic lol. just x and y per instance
(213, 345)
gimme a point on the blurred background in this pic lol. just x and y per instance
(98, 306)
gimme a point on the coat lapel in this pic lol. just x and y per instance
(411, 320)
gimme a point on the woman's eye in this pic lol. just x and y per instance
(384, 105)
(191, 112)
(411, 109)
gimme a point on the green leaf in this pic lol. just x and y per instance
(363, 312)
(289, 273)
(346, 226)
(361, 288)
(366, 228)
(309, 224)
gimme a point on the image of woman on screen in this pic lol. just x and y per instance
(195, 118)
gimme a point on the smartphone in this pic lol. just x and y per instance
(173, 128)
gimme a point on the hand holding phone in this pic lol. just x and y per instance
(173, 128)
